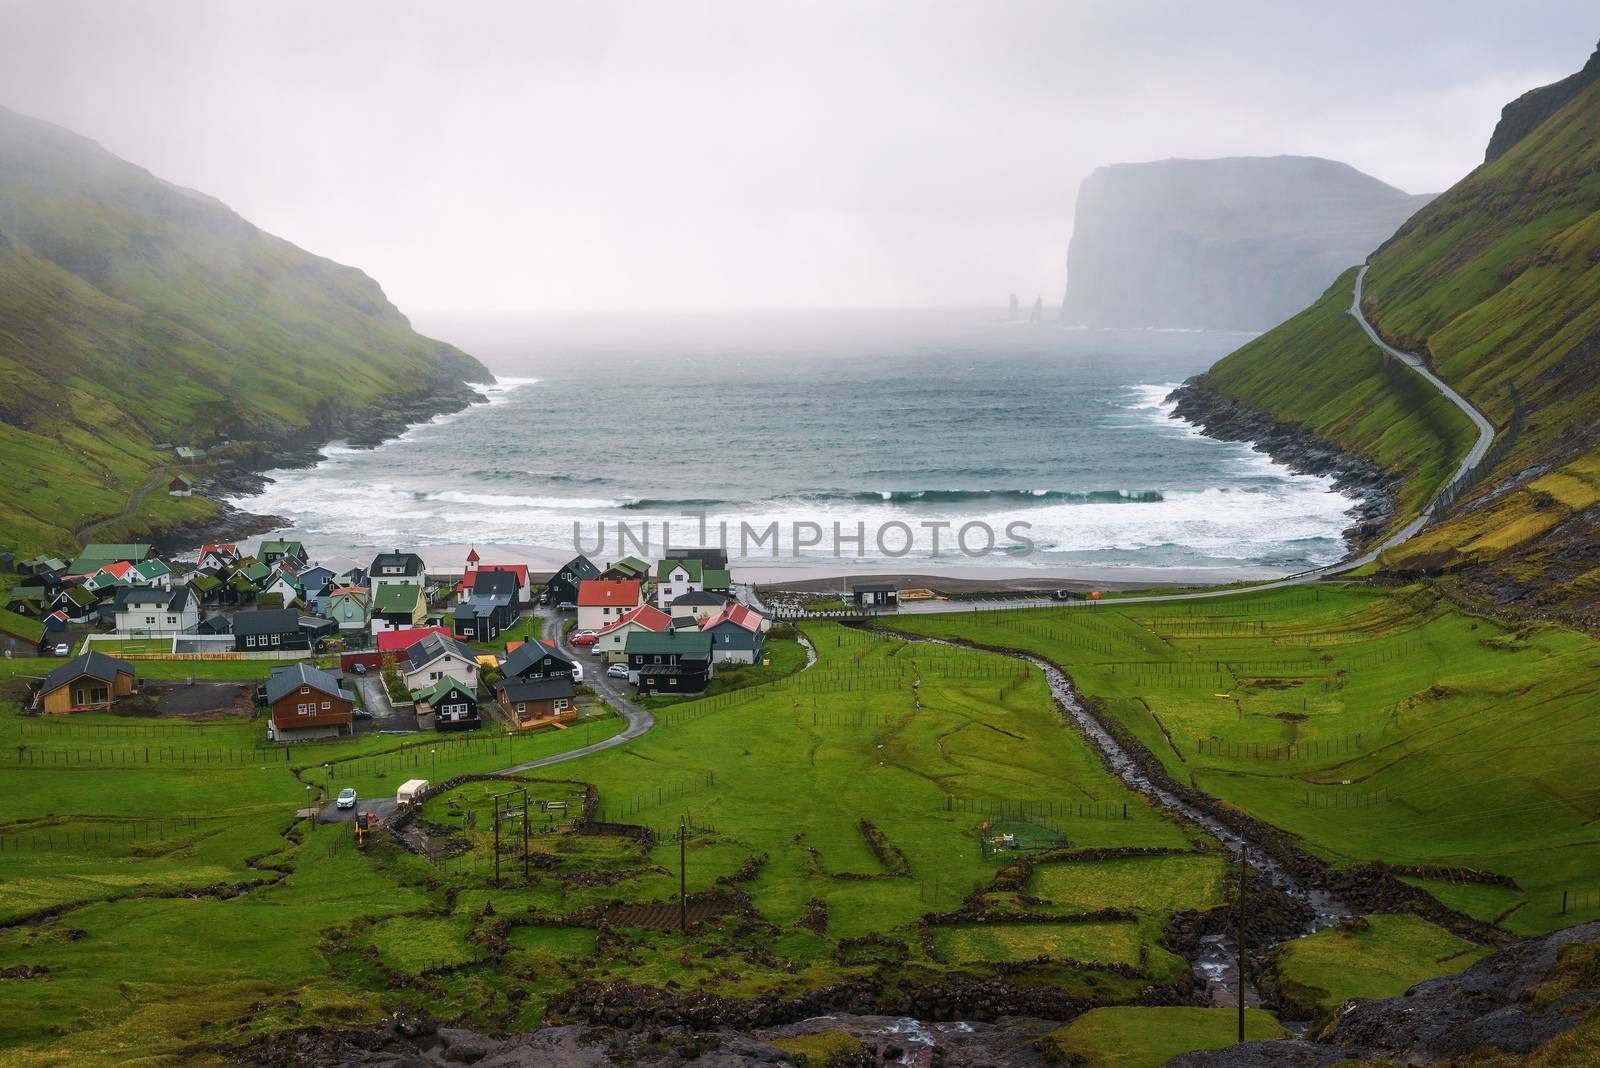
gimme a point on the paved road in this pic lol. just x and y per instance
(375, 698)
(613, 691)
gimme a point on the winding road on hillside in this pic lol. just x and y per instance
(87, 533)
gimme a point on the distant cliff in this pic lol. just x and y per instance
(1520, 117)
(1233, 244)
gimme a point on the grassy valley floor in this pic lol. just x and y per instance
(838, 819)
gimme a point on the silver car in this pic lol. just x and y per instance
(346, 798)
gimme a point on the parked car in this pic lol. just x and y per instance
(584, 637)
(346, 798)
(63, 649)
(577, 672)
(617, 671)
(359, 669)
(360, 713)
(566, 606)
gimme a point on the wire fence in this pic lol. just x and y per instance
(1011, 808)
(1313, 748)
(97, 833)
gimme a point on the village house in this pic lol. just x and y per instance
(97, 554)
(390, 643)
(490, 606)
(307, 702)
(677, 661)
(350, 607)
(152, 613)
(454, 705)
(611, 642)
(285, 586)
(436, 657)
(218, 554)
(272, 553)
(700, 605)
(875, 594)
(78, 602)
(563, 585)
(180, 486)
(538, 660)
(676, 577)
(92, 680)
(738, 635)
(396, 569)
(601, 603)
(528, 704)
(398, 606)
(274, 630)
(475, 566)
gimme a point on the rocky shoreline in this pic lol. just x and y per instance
(245, 472)
(1375, 487)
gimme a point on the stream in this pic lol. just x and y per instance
(1216, 962)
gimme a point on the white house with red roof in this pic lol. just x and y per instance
(218, 554)
(611, 641)
(601, 602)
(738, 634)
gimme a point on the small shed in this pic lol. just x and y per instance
(409, 791)
(875, 594)
(180, 486)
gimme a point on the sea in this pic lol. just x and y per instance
(863, 436)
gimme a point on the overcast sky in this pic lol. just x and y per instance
(683, 155)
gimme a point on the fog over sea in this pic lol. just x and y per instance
(827, 417)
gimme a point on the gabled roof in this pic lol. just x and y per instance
(488, 583)
(286, 680)
(517, 689)
(81, 596)
(256, 571)
(94, 665)
(434, 646)
(699, 597)
(280, 547)
(646, 616)
(203, 582)
(221, 548)
(397, 597)
(266, 621)
(117, 550)
(528, 653)
(735, 614)
(631, 565)
(472, 555)
(596, 593)
(665, 568)
(358, 594)
(173, 600)
(396, 641)
(519, 571)
(410, 564)
(580, 567)
(117, 569)
(681, 642)
(435, 693)
(718, 579)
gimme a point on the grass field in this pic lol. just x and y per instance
(1373, 724)
(1376, 957)
(848, 804)
(1146, 1038)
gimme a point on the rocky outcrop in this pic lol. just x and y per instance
(1523, 115)
(1302, 451)
(1511, 1001)
(1230, 244)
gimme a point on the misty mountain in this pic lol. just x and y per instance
(1236, 244)
(136, 313)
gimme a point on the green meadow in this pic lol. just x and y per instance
(898, 811)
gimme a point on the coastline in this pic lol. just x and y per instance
(364, 428)
(1374, 487)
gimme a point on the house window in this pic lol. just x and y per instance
(561, 704)
(275, 639)
(522, 706)
(305, 689)
(307, 709)
(327, 705)
(655, 660)
(249, 642)
(149, 619)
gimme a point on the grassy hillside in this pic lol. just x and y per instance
(1497, 282)
(135, 313)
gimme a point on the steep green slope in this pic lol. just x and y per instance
(135, 313)
(1497, 283)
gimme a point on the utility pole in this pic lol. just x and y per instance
(683, 873)
(524, 834)
(1244, 847)
(497, 843)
